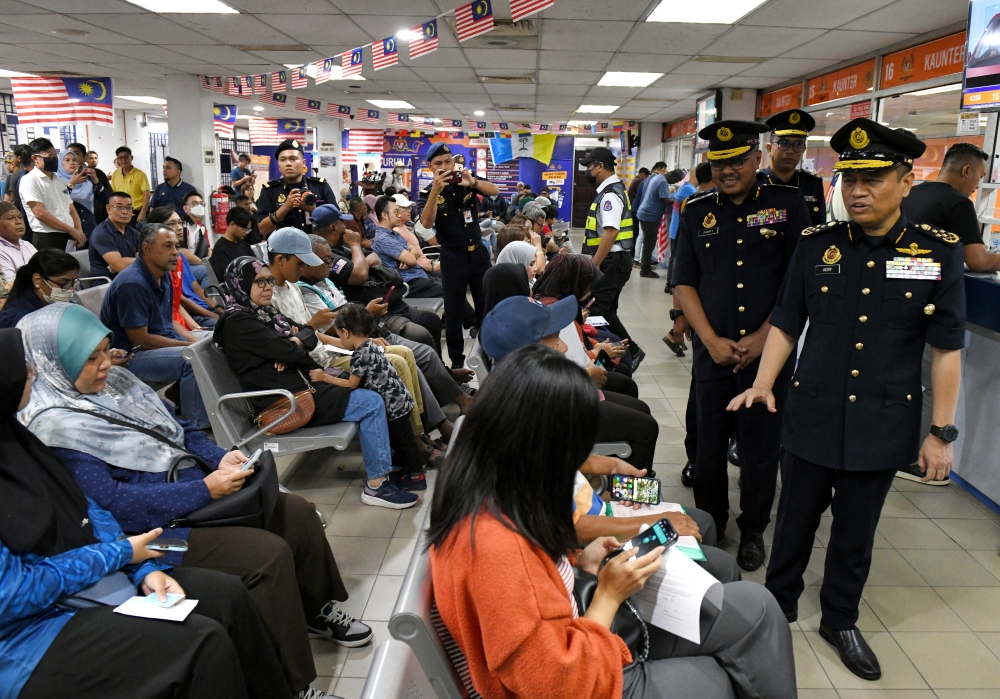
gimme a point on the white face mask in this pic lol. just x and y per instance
(58, 295)
(198, 210)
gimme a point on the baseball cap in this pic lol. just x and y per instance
(520, 321)
(402, 200)
(326, 214)
(292, 241)
(543, 201)
(599, 155)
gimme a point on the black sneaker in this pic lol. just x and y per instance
(913, 473)
(388, 495)
(751, 553)
(649, 275)
(408, 481)
(334, 624)
(637, 356)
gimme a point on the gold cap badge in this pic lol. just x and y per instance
(832, 255)
(724, 134)
(794, 118)
(709, 221)
(295, 144)
(859, 138)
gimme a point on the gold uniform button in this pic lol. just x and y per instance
(852, 398)
(863, 319)
(929, 309)
(739, 241)
(908, 295)
(855, 373)
(859, 346)
(871, 263)
(742, 308)
(743, 332)
(740, 220)
(824, 289)
(796, 384)
(739, 263)
(866, 291)
(708, 245)
(909, 397)
(740, 285)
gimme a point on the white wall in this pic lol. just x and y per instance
(650, 145)
(741, 109)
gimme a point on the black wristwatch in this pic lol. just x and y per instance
(675, 314)
(947, 434)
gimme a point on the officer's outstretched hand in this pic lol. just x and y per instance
(751, 396)
(935, 459)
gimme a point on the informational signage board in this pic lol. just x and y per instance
(981, 81)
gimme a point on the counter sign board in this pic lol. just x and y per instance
(945, 56)
(981, 82)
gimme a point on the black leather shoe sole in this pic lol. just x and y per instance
(750, 557)
(854, 652)
(687, 475)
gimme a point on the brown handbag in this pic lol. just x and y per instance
(305, 406)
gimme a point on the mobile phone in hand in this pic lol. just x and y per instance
(388, 294)
(604, 360)
(635, 489)
(662, 533)
(249, 463)
(164, 544)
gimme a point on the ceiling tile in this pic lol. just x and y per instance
(508, 59)
(96, 32)
(630, 10)
(423, 8)
(917, 16)
(145, 28)
(575, 60)
(613, 95)
(787, 67)
(551, 90)
(214, 54)
(148, 52)
(288, 7)
(281, 58)
(566, 34)
(237, 29)
(744, 82)
(406, 86)
(689, 81)
(645, 62)
(11, 7)
(502, 89)
(659, 37)
(841, 45)
(667, 93)
(568, 77)
(705, 68)
(469, 88)
(317, 29)
(445, 74)
(795, 13)
(760, 41)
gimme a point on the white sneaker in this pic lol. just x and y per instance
(313, 693)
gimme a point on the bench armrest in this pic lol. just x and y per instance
(256, 394)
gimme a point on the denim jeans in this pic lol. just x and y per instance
(166, 365)
(368, 408)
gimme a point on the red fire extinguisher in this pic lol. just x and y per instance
(220, 207)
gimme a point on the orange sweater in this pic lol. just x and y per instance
(507, 608)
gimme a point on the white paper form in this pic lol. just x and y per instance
(673, 595)
(138, 606)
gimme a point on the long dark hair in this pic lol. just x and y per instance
(49, 263)
(529, 430)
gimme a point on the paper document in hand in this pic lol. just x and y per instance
(138, 606)
(596, 321)
(672, 597)
(337, 350)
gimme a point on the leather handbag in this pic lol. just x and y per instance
(627, 624)
(250, 506)
(305, 407)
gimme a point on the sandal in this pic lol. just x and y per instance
(432, 456)
(674, 346)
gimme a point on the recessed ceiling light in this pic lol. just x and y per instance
(938, 90)
(186, 7)
(69, 32)
(597, 108)
(619, 79)
(704, 11)
(15, 74)
(142, 99)
(258, 108)
(580, 122)
(408, 34)
(479, 112)
(391, 104)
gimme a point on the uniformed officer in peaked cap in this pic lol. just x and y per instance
(733, 246)
(789, 131)
(289, 200)
(873, 289)
(452, 209)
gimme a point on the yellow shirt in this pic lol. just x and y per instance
(133, 184)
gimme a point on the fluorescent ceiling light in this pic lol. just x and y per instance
(391, 104)
(408, 34)
(597, 108)
(243, 116)
(258, 108)
(936, 90)
(704, 11)
(142, 99)
(15, 74)
(479, 112)
(186, 7)
(578, 122)
(618, 79)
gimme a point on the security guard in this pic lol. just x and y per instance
(788, 142)
(873, 289)
(609, 238)
(450, 205)
(289, 201)
(733, 246)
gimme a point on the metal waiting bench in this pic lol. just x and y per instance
(93, 298)
(232, 415)
(396, 674)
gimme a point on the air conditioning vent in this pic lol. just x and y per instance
(506, 80)
(731, 59)
(273, 47)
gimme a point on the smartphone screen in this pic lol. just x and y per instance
(603, 360)
(662, 533)
(388, 294)
(163, 544)
(635, 489)
(248, 464)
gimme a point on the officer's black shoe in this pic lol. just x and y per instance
(792, 615)
(750, 557)
(855, 653)
(637, 356)
(732, 454)
(913, 473)
(649, 275)
(687, 475)
(667, 290)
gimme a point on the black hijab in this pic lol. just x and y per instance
(503, 281)
(568, 275)
(42, 509)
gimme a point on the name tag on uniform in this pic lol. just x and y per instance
(913, 268)
(468, 216)
(810, 199)
(708, 231)
(827, 269)
(762, 218)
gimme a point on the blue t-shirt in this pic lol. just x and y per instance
(388, 245)
(187, 279)
(105, 239)
(683, 192)
(239, 173)
(135, 300)
(165, 195)
(653, 206)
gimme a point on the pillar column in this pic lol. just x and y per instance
(191, 131)
(328, 137)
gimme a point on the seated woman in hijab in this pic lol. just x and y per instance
(55, 544)
(119, 439)
(530, 255)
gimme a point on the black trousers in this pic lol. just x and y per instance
(759, 435)
(404, 444)
(617, 268)
(691, 424)
(417, 325)
(462, 269)
(221, 651)
(807, 489)
(43, 241)
(627, 419)
(650, 230)
(425, 288)
(620, 383)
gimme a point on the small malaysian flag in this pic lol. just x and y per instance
(323, 70)
(206, 82)
(49, 100)
(454, 123)
(423, 121)
(275, 99)
(603, 125)
(501, 126)
(341, 111)
(519, 9)
(224, 118)
(424, 38)
(395, 119)
(351, 62)
(219, 85)
(385, 53)
(279, 79)
(539, 128)
(474, 19)
(271, 132)
(306, 105)
(260, 84)
(300, 78)
(236, 88)
(477, 125)
(369, 115)
(560, 128)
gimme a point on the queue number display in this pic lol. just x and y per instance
(981, 80)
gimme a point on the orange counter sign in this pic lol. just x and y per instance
(945, 56)
(780, 100)
(680, 128)
(846, 82)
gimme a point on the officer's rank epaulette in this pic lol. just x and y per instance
(823, 228)
(695, 198)
(272, 183)
(939, 233)
(316, 179)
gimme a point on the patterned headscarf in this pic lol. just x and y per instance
(240, 276)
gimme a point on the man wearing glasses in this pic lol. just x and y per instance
(789, 130)
(114, 243)
(733, 246)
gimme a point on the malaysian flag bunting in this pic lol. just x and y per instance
(338, 110)
(48, 100)
(362, 141)
(500, 126)
(473, 19)
(603, 125)
(275, 99)
(385, 53)
(279, 79)
(306, 105)
(300, 78)
(369, 115)
(235, 88)
(453, 123)
(395, 119)
(206, 82)
(519, 9)
(424, 39)
(224, 116)
(423, 121)
(271, 132)
(540, 128)
(219, 86)
(560, 128)
(323, 70)
(477, 125)
(351, 62)
(260, 84)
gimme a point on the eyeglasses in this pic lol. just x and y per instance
(175, 225)
(123, 209)
(73, 285)
(327, 261)
(264, 282)
(784, 144)
(735, 163)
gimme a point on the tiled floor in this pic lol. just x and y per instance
(931, 608)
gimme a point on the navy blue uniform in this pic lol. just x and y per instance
(853, 410)
(809, 184)
(735, 257)
(274, 193)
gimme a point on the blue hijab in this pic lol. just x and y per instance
(82, 193)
